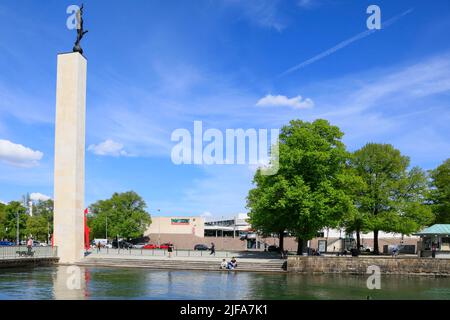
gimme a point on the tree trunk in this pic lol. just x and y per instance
(281, 240)
(375, 242)
(358, 240)
(301, 246)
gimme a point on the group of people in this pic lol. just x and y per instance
(230, 265)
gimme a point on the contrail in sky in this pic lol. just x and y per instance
(344, 43)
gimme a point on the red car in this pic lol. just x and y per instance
(154, 246)
(165, 245)
(150, 246)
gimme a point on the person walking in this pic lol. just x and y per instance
(395, 251)
(169, 250)
(29, 245)
(213, 248)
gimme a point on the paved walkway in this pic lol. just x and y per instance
(125, 254)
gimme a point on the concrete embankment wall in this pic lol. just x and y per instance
(359, 265)
(27, 262)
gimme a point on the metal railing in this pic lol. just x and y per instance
(178, 253)
(16, 252)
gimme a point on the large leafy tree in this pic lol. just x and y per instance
(308, 193)
(14, 210)
(440, 194)
(355, 220)
(269, 211)
(2, 221)
(37, 226)
(393, 199)
(123, 214)
(40, 225)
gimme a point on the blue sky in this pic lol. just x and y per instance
(155, 66)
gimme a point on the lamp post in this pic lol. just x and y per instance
(17, 228)
(223, 227)
(159, 228)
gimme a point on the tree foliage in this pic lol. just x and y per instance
(308, 193)
(440, 195)
(393, 199)
(13, 210)
(124, 214)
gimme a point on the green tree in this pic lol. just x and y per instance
(13, 210)
(269, 212)
(440, 195)
(394, 198)
(124, 214)
(309, 192)
(2, 221)
(44, 210)
(355, 220)
(37, 226)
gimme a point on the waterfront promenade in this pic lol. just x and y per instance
(184, 260)
(17, 256)
(268, 262)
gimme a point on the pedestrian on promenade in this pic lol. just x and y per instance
(29, 245)
(433, 250)
(395, 251)
(213, 248)
(169, 250)
(98, 246)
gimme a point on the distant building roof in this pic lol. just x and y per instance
(437, 229)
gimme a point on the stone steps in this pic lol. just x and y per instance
(272, 266)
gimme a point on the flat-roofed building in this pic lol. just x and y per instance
(177, 225)
(230, 227)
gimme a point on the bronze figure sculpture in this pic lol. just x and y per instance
(80, 31)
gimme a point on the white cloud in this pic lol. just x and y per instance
(36, 196)
(282, 101)
(18, 155)
(108, 148)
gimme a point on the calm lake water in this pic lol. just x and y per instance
(129, 283)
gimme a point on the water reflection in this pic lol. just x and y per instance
(138, 283)
(69, 283)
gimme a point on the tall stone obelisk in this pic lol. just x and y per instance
(69, 157)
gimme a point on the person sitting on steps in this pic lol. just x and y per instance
(232, 264)
(223, 264)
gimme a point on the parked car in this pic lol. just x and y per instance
(273, 249)
(201, 247)
(165, 245)
(102, 242)
(150, 246)
(365, 249)
(6, 243)
(139, 245)
(36, 243)
(121, 244)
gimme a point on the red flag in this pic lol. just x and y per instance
(86, 230)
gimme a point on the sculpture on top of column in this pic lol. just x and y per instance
(80, 31)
